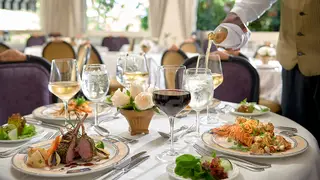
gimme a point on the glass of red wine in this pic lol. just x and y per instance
(170, 97)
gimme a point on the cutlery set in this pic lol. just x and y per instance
(125, 166)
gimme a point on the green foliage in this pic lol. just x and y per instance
(144, 21)
(211, 12)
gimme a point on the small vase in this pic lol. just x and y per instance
(138, 121)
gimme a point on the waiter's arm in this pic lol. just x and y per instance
(247, 10)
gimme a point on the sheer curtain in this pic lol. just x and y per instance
(157, 9)
(64, 16)
(188, 16)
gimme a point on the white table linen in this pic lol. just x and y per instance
(300, 167)
(270, 80)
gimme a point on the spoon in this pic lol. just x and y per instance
(167, 135)
(106, 133)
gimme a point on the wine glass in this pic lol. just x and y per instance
(198, 81)
(64, 81)
(214, 64)
(132, 68)
(95, 85)
(171, 98)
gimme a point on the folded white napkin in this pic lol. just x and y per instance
(236, 38)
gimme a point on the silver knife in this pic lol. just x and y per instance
(121, 165)
(132, 165)
(40, 123)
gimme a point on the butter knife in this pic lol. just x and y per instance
(132, 165)
(121, 165)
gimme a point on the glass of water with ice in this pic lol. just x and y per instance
(198, 81)
(95, 84)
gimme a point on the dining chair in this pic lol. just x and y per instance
(36, 41)
(26, 86)
(172, 57)
(84, 53)
(240, 80)
(190, 47)
(55, 34)
(205, 46)
(114, 43)
(58, 49)
(3, 47)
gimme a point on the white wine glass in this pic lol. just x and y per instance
(95, 85)
(214, 64)
(132, 68)
(64, 81)
(198, 81)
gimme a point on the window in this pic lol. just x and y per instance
(117, 15)
(211, 12)
(19, 15)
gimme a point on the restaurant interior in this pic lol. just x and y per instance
(157, 89)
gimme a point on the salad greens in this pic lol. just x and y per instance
(249, 107)
(189, 166)
(27, 131)
(16, 128)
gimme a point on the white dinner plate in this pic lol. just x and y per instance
(254, 113)
(39, 130)
(46, 113)
(118, 151)
(231, 174)
(221, 144)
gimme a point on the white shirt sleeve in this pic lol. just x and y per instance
(250, 10)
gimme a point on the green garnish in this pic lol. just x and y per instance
(229, 139)
(189, 166)
(244, 101)
(80, 101)
(3, 134)
(239, 147)
(214, 154)
(100, 145)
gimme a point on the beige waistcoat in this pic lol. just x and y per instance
(299, 39)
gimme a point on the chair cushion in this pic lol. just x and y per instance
(24, 88)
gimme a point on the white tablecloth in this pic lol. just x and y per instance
(301, 167)
(270, 80)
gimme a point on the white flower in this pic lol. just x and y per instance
(144, 101)
(135, 89)
(120, 99)
(151, 89)
(272, 52)
(263, 51)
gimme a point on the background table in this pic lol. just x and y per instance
(300, 167)
(270, 74)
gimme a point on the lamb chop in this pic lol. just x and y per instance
(68, 143)
(85, 147)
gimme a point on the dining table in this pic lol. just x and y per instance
(304, 166)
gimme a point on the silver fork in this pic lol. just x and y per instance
(11, 152)
(236, 160)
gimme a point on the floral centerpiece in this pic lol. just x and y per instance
(136, 106)
(266, 53)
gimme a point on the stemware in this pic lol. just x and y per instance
(95, 85)
(132, 68)
(64, 80)
(171, 98)
(198, 81)
(214, 64)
